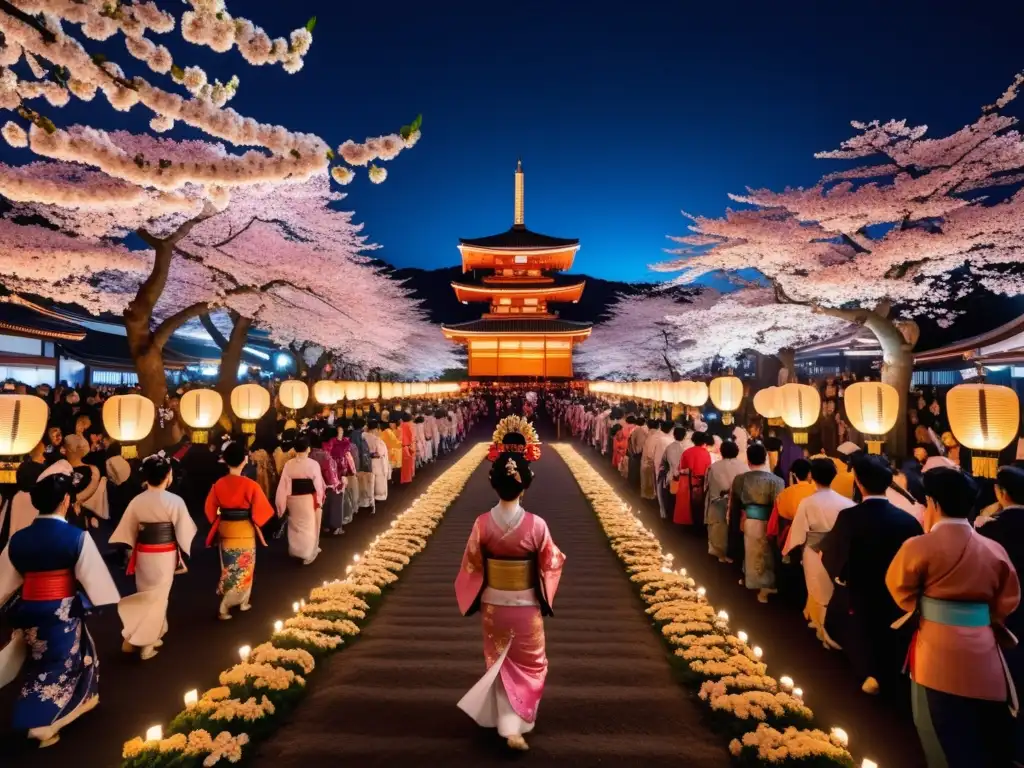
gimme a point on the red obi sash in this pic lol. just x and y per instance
(149, 549)
(49, 585)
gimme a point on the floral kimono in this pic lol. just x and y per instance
(56, 566)
(753, 495)
(510, 571)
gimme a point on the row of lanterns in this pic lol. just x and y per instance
(129, 419)
(983, 417)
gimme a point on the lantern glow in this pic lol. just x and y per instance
(872, 407)
(22, 424)
(985, 418)
(128, 419)
(326, 392)
(191, 698)
(768, 404)
(200, 409)
(250, 402)
(801, 406)
(294, 394)
(726, 395)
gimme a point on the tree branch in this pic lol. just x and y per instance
(218, 338)
(32, 21)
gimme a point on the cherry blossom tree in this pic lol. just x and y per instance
(878, 243)
(655, 336)
(104, 185)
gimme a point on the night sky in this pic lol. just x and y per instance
(624, 114)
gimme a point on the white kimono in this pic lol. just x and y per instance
(381, 463)
(421, 443)
(304, 511)
(144, 614)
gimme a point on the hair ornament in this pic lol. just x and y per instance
(160, 457)
(513, 470)
(514, 434)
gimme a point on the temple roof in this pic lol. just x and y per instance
(520, 238)
(23, 318)
(524, 325)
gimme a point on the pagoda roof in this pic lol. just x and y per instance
(519, 238)
(19, 317)
(568, 291)
(519, 325)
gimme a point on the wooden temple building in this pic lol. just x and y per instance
(520, 335)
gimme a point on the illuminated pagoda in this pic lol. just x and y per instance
(520, 336)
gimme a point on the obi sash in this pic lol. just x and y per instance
(233, 516)
(760, 512)
(40, 586)
(814, 539)
(511, 575)
(153, 539)
(955, 614)
(303, 486)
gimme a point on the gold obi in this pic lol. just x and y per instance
(511, 575)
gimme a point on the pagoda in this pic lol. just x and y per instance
(520, 336)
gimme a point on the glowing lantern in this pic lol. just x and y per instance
(128, 419)
(22, 424)
(419, 388)
(698, 394)
(985, 418)
(406, 389)
(666, 391)
(387, 391)
(801, 407)
(294, 394)
(768, 403)
(250, 402)
(355, 390)
(326, 392)
(372, 390)
(726, 394)
(200, 409)
(873, 408)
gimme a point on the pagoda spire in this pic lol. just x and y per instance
(520, 204)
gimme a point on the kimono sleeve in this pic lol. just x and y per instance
(550, 560)
(127, 531)
(906, 574)
(184, 527)
(835, 547)
(10, 578)
(94, 576)
(212, 504)
(284, 490)
(470, 581)
(262, 512)
(1007, 598)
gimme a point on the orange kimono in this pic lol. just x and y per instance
(693, 469)
(621, 445)
(407, 434)
(237, 509)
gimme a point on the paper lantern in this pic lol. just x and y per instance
(698, 393)
(985, 418)
(419, 388)
(128, 419)
(326, 392)
(294, 394)
(406, 389)
(22, 424)
(372, 390)
(355, 390)
(200, 409)
(801, 407)
(666, 391)
(872, 408)
(768, 403)
(726, 394)
(250, 402)
(387, 391)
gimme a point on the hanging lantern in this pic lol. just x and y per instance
(294, 394)
(768, 403)
(698, 394)
(801, 407)
(22, 424)
(326, 392)
(666, 391)
(373, 390)
(726, 394)
(128, 419)
(387, 390)
(419, 388)
(200, 409)
(406, 389)
(873, 408)
(250, 402)
(985, 418)
(355, 391)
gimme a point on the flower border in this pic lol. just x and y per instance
(255, 696)
(765, 719)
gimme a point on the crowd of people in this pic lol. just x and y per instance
(941, 606)
(79, 511)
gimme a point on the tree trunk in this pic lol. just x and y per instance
(230, 360)
(787, 358)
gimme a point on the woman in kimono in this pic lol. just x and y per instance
(379, 461)
(301, 494)
(236, 508)
(510, 571)
(53, 564)
(407, 434)
(422, 457)
(620, 446)
(693, 469)
(751, 501)
(720, 477)
(334, 500)
(156, 525)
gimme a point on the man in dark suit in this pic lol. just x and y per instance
(1007, 528)
(856, 553)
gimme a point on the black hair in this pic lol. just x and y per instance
(631, 419)
(510, 475)
(823, 471)
(801, 468)
(288, 439)
(155, 469)
(929, 448)
(315, 439)
(952, 490)
(679, 433)
(772, 443)
(48, 492)
(1011, 480)
(667, 427)
(372, 424)
(302, 444)
(653, 423)
(699, 438)
(406, 416)
(756, 454)
(358, 422)
(873, 472)
(729, 449)
(616, 414)
(234, 453)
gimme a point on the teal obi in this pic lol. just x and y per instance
(758, 512)
(955, 614)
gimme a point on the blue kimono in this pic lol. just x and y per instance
(57, 572)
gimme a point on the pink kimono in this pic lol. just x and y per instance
(512, 620)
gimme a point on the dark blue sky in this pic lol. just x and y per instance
(623, 113)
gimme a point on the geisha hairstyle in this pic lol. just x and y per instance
(155, 469)
(510, 475)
